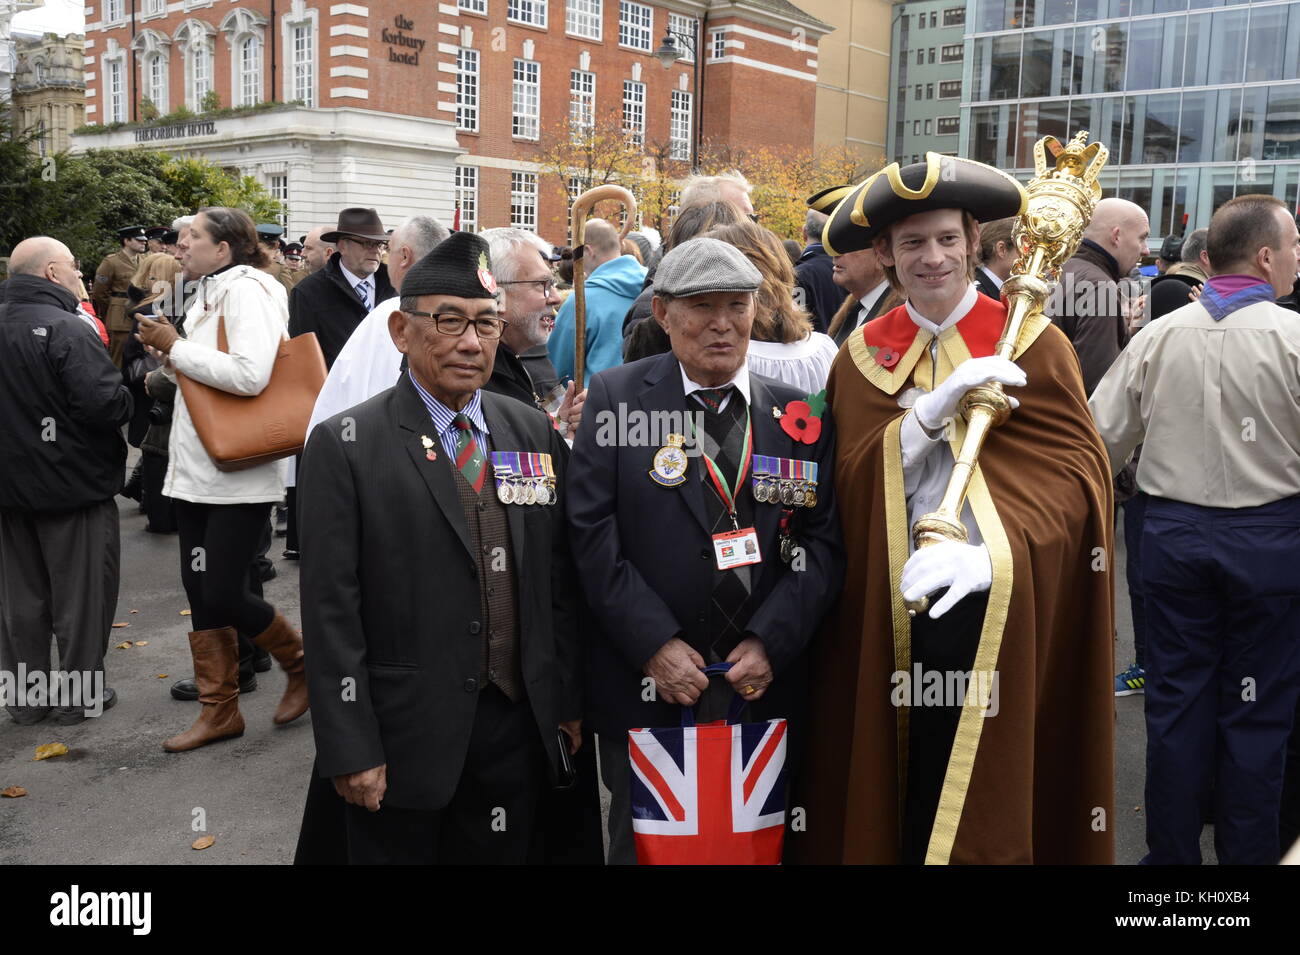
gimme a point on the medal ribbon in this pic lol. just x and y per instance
(719, 479)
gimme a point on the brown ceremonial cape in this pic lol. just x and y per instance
(1035, 782)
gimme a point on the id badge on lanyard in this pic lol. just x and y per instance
(739, 546)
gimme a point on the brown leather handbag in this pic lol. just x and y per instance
(243, 431)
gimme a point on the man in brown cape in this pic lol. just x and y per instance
(900, 769)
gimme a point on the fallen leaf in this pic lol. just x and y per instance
(202, 842)
(120, 626)
(50, 749)
(133, 611)
(125, 646)
(142, 643)
(162, 676)
(185, 613)
(13, 792)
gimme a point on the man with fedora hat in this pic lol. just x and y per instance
(112, 279)
(334, 300)
(981, 729)
(461, 695)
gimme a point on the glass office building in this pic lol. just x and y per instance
(1197, 100)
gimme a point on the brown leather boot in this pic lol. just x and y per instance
(216, 671)
(283, 642)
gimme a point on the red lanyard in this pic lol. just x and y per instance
(720, 484)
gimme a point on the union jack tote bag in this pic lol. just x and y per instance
(709, 794)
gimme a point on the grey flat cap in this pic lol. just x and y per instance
(703, 265)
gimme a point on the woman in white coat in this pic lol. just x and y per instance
(220, 515)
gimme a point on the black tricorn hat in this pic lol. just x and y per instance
(358, 223)
(826, 200)
(894, 193)
(131, 232)
(459, 265)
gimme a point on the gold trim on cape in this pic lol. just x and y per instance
(897, 530)
(888, 380)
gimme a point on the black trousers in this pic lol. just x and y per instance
(942, 646)
(158, 509)
(490, 819)
(217, 545)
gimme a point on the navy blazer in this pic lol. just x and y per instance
(645, 556)
(390, 595)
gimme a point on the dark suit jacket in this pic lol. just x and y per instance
(325, 303)
(391, 596)
(645, 555)
(986, 284)
(821, 295)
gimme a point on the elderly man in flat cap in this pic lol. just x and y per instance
(1019, 628)
(703, 521)
(439, 602)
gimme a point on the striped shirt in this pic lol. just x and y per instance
(443, 416)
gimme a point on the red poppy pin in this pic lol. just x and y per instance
(883, 355)
(485, 276)
(802, 420)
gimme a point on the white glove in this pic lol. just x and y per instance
(962, 568)
(933, 408)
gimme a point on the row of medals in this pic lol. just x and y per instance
(526, 490)
(768, 490)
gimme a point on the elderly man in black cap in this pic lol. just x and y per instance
(716, 540)
(112, 279)
(1019, 627)
(334, 300)
(445, 703)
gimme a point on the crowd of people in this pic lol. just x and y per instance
(503, 571)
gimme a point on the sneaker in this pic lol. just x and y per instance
(1133, 680)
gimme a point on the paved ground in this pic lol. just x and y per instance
(118, 798)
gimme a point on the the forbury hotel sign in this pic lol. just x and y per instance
(402, 47)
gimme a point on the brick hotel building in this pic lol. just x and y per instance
(413, 106)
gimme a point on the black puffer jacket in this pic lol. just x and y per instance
(62, 403)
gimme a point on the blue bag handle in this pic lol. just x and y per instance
(737, 701)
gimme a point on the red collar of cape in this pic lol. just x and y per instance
(887, 348)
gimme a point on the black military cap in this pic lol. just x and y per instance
(157, 232)
(293, 248)
(266, 231)
(894, 193)
(132, 232)
(458, 266)
(169, 237)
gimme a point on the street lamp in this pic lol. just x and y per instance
(668, 54)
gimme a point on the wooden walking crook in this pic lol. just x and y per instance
(582, 206)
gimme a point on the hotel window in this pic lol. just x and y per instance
(114, 10)
(279, 183)
(951, 53)
(634, 112)
(303, 63)
(947, 125)
(689, 26)
(525, 100)
(929, 91)
(954, 17)
(532, 12)
(467, 90)
(582, 101)
(634, 25)
(931, 54)
(523, 200)
(115, 95)
(679, 126)
(467, 197)
(250, 71)
(950, 89)
(200, 70)
(719, 44)
(473, 6)
(156, 83)
(918, 91)
(582, 18)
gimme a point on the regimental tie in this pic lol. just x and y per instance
(712, 398)
(469, 456)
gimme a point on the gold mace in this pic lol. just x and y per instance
(1060, 203)
(581, 207)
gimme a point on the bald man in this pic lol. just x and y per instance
(315, 253)
(613, 282)
(62, 406)
(1092, 305)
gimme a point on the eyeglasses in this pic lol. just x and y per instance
(450, 323)
(366, 243)
(548, 285)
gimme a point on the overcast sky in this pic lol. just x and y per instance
(57, 16)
